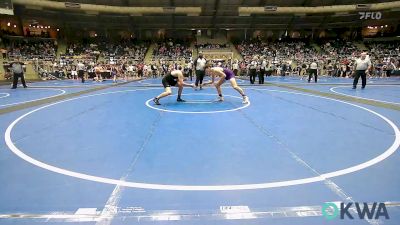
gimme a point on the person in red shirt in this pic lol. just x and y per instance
(140, 69)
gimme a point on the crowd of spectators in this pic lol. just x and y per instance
(384, 49)
(284, 57)
(30, 50)
(385, 56)
(124, 56)
(211, 46)
(335, 58)
(339, 48)
(111, 50)
(58, 69)
(281, 50)
(172, 50)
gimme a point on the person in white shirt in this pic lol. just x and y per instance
(81, 71)
(391, 67)
(130, 70)
(361, 67)
(235, 67)
(200, 64)
(149, 71)
(190, 69)
(145, 71)
(153, 68)
(253, 70)
(313, 71)
(263, 68)
(278, 70)
(74, 73)
(343, 68)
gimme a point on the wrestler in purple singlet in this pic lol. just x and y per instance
(229, 74)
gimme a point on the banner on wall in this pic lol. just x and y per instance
(370, 15)
(6, 7)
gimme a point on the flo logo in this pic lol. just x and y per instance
(331, 210)
(370, 15)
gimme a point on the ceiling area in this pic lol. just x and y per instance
(215, 14)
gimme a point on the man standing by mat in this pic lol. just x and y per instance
(81, 71)
(361, 67)
(18, 70)
(235, 67)
(263, 68)
(200, 64)
(313, 71)
(253, 69)
(190, 69)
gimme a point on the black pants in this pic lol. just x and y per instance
(313, 72)
(4, 55)
(81, 75)
(388, 73)
(252, 75)
(261, 76)
(15, 80)
(199, 77)
(235, 71)
(191, 74)
(363, 78)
